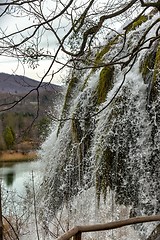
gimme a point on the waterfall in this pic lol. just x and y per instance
(103, 157)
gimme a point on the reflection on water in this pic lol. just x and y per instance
(16, 175)
(9, 178)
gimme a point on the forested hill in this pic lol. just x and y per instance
(15, 84)
(25, 116)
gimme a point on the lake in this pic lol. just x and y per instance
(16, 175)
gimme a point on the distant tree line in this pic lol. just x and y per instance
(15, 129)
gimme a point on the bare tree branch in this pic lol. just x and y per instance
(84, 24)
(93, 30)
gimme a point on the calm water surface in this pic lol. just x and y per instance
(16, 175)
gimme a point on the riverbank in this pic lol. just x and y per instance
(13, 156)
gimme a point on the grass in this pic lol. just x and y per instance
(12, 156)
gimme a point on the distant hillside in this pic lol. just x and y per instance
(15, 84)
(18, 113)
(13, 88)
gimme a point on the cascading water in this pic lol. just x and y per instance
(103, 159)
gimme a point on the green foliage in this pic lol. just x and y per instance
(2, 143)
(9, 137)
(21, 122)
(105, 83)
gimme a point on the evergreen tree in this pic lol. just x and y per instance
(9, 137)
(43, 127)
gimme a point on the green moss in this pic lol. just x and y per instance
(147, 64)
(156, 75)
(103, 174)
(151, 61)
(157, 64)
(72, 84)
(100, 54)
(99, 58)
(68, 98)
(137, 23)
(81, 138)
(76, 131)
(77, 134)
(105, 50)
(105, 83)
(86, 80)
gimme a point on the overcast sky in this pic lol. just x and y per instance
(11, 24)
(13, 66)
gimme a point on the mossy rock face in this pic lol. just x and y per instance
(77, 134)
(113, 168)
(147, 64)
(157, 63)
(72, 85)
(137, 23)
(99, 56)
(86, 80)
(105, 83)
(76, 131)
(156, 76)
(103, 174)
(66, 106)
(150, 69)
(81, 138)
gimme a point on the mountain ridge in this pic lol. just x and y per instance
(18, 84)
(24, 107)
